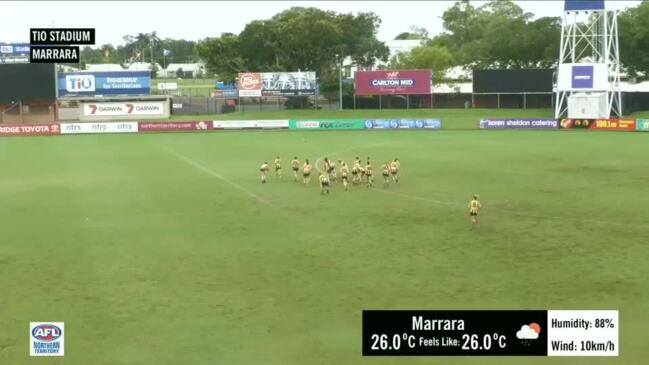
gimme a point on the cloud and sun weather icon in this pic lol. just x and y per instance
(528, 333)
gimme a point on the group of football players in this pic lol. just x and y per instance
(360, 174)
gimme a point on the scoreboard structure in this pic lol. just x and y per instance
(588, 74)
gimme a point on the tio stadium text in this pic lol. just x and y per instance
(62, 36)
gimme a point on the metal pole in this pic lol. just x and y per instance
(498, 101)
(340, 84)
(524, 100)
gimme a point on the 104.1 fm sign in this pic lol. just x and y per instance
(599, 124)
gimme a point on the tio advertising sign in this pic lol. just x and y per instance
(406, 82)
(130, 83)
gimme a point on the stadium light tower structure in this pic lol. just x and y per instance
(588, 72)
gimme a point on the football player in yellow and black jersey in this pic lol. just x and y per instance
(332, 170)
(295, 166)
(328, 167)
(356, 171)
(344, 172)
(306, 172)
(264, 170)
(278, 167)
(474, 207)
(324, 183)
(385, 171)
(326, 164)
(368, 173)
(394, 170)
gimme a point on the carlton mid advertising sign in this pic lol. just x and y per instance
(388, 82)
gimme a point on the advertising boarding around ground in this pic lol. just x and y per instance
(519, 123)
(403, 123)
(338, 124)
(114, 125)
(29, 129)
(612, 124)
(250, 124)
(100, 127)
(173, 126)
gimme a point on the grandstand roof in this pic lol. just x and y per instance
(186, 66)
(141, 66)
(104, 67)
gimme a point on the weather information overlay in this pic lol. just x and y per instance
(490, 333)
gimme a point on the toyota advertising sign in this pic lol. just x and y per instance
(389, 82)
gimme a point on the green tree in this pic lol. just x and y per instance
(260, 45)
(633, 34)
(498, 34)
(222, 57)
(299, 38)
(436, 58)
(358, 38)
(414, 32)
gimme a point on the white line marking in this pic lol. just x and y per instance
(455, 205)
(221, 177)
(459, 206)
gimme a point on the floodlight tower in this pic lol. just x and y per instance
(588, 76)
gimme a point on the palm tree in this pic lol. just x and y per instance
(142, 40)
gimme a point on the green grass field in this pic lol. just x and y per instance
(166, 249)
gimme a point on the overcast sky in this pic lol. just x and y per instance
(194, 20)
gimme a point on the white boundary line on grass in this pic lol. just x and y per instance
(605, 222)
(215, 174)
